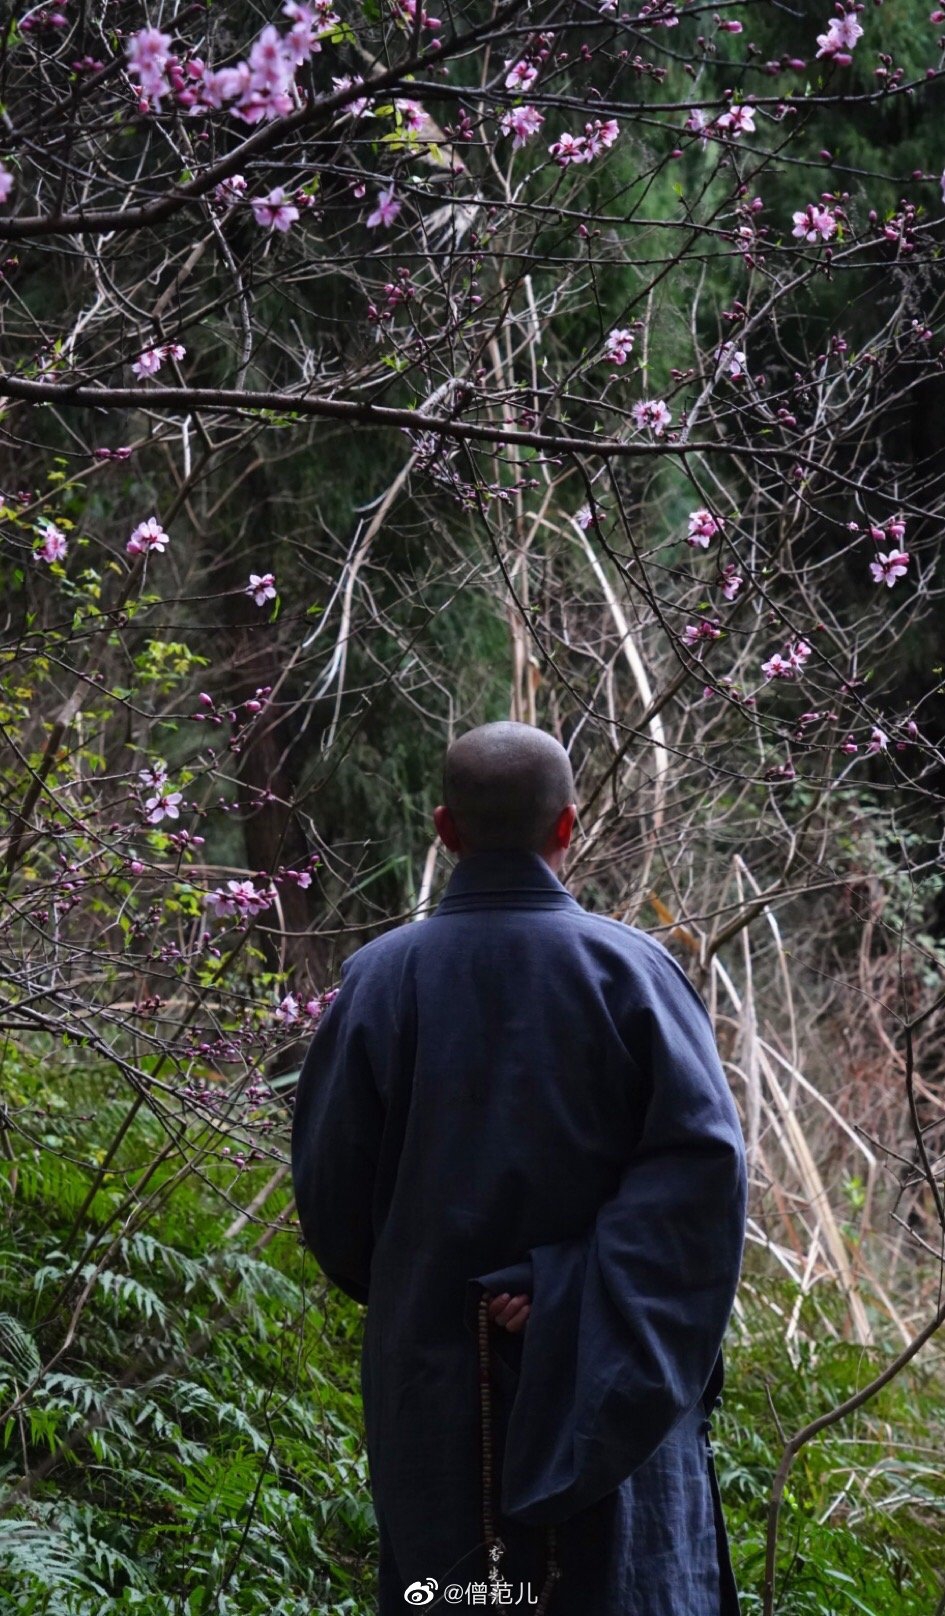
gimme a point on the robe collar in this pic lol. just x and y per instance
(506, 880)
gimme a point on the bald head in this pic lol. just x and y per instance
(505, 786)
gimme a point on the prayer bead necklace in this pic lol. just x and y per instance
(495, 1548)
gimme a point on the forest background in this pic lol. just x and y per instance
(368, 372)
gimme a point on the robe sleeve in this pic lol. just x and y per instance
(627, 1318)
(337, 1126)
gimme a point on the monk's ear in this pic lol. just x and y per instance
(564, 826)
(446, 829)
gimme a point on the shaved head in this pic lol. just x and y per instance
(505, 786)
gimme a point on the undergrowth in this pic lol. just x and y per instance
(194, 1445)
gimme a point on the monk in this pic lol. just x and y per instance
(514, 1142)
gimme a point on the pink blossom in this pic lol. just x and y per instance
(730, 27)
(148, 363)
(568, 149)
(889, 566)
(849, 746)
(270, 78)
(785, 667)
(618, 346)
(164, 805)
(314, 1008)
(288, 1010)
(703, 630)
(226, 84)
(522, 122)
(147, 536)
(585, 518)
(238, 898)
(408, 10)
(411, 114)
(273, 211)
(659, 14)
(520, 77)
(6, 183)
(703, 527)
(698, 124)
(354, 109)
(731, 581)
(148, 53)
(154, 775)
(53, 547)
(261, 587)
(386, 211)
(599, 137)
(814, 223)
(840, 38)
(733, 360)
(302, 40)
(739, 120)
(230, 190)
(301, 878)
(651, 413)
(879, 740)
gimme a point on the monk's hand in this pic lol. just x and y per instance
(509, 1312)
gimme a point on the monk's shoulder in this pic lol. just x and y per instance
(641, 953)
(383, 956)
(631, 941)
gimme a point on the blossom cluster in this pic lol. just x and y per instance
(703, 527)
(597, 137)
(255, 90)
(292, 1010)
(703, 630)
(738, 120)
(842, 33)
(238, 899)
(147, 536)
(163, 803)
(52, 546)
(892, 564)
(815, 223)
(789, 665)
(524, 122)
(150, 361)
(652, 415)
(618, 346)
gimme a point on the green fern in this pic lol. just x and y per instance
(18, 1350)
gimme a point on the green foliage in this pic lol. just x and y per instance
(863, 1521)
(196, 1447)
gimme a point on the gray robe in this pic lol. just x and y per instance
(517, 1094)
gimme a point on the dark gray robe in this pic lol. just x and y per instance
(517, 1094)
